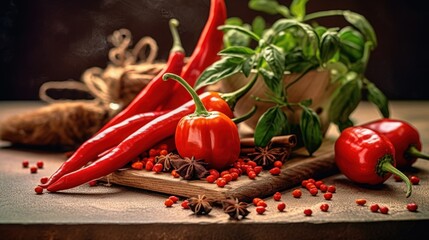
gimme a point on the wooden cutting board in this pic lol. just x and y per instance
(299, 167)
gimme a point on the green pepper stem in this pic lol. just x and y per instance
(232, 97)
(414, 152)
(199, 106)
(388, 167)
(246, 116)
(177, 44)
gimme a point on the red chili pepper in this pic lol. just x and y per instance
(205, 53)
(101, 142)
(147, 136)
(157, 91)
(211, 136)
(404, 137)
(366, 157)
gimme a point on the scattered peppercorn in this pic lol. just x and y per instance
(260, 209)
(262, 203)
(275, 171)
(256, 200)
(221, 182)
(92, 183)
(314, 191)
(185, 204)
(384, 210)
(137, 165)
(328, 195)
(44, 180)
(374, 208)
(324, 207)
(332, 189)
(277, 196)
(168, 202)
(281, 206)
(38, 189)
(296, 193)
(33, 169)
(397, 178)
(39, 164)
(25, 164)
(323, 188)
(414, 180)
(412, 207)
(360, 201)
(308, 212)
(174, 199)
(157, 168)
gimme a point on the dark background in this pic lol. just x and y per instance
(46, 40)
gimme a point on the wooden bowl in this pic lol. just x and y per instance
(315, 85)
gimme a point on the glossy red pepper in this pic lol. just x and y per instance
(211, 136)
(157, 91)
(205, 53)
(367, 157)
(404, 137)
(101, 142)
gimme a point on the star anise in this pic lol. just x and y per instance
(235, 209)
(200, 205)
(166, 161)
(266, 156)
(189, 168)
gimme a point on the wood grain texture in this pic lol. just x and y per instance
(299, 167)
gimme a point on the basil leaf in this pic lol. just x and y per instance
(311, 130)
(223, 68)
(297, 8)
(269, 6)
(239, 51)
(275, 60)
(352, 43)
(306, 102)
(247, 67)
(241, 30)
(270, 124)
(329, 46)
(378, 98)
(258, 25)
(362, 24)
(345, 100)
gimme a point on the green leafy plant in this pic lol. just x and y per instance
(296, 43)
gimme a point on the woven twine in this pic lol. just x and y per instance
(67, 122)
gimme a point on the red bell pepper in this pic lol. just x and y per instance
(210, 136)
(404, 137)
(367, 157)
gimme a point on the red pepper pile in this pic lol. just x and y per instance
(142, 125)
(368, 153)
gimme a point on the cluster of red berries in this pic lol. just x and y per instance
(34, 168)
(147, 161)
(170, 201)
(412, 207)
(313, 187)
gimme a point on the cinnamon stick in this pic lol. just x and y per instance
(288, 141)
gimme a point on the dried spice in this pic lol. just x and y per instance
(266, 156)
(166, 161)
(235, 209)
(189, 168)
(200, 205)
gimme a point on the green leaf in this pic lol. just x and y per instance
(241, 30)
(352, 43)
(221, 69)
(306, 102)
(270, 124)
(362, 24)
(274, 57)
(269, 6)
(329, 46)
(345, 100)
(378, 98)
(311, 130)
(239, 51)
(247, 67)
(297, 8)
(258, 25)
(272, 82)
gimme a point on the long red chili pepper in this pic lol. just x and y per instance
(404, 137)
(211, 136)
(367, 157)
(147, 136)
(205, 53)
(104, 140)
(157, 91)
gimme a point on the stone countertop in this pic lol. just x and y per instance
(117, 212)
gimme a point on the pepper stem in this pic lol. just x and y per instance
(177, 44)
(386, 166)
(232, 97)
(199, 106)
(246, 116)
(414, 152)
